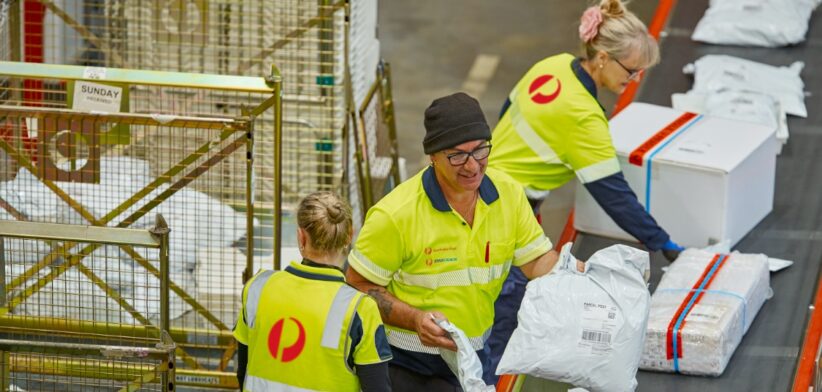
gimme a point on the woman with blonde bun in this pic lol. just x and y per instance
(304, 328)
(552, 128)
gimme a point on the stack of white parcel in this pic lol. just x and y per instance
(704, 179)
(701, 309)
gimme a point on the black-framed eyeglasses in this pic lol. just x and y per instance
(632, 73)
(460, 158)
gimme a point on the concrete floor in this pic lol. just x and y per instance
(432, 46)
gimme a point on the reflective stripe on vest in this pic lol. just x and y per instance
(411, 341)
(336, 316)
(333, 322)
(531, 137)
(257, 384)
(253, 297)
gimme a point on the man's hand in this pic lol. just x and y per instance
(431, 334)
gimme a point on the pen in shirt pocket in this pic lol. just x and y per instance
(487, 251)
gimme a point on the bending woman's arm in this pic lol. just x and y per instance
(614, 195)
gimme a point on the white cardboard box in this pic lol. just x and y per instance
(709, 179)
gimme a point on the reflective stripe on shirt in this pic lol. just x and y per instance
(411, 341)
(463, 277)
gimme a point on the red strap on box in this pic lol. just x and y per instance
(638, 155)
(669, 340)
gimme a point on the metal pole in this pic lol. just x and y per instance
(277, 80)
(249, 200)
(161, 230)
(3, 308)
(388, 110)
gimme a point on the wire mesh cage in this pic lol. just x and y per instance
(57, 366)
(321, 46)
(227, 37)
(182, 145)
(74, 310)
(378, 167)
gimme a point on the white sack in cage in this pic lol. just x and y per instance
(713, 73)
(196, 221)
(584, 328)
(701, 309)
(73, 296)
(766, 23)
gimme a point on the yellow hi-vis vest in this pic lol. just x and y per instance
(553, 130)
(307, 330)
(427, 256)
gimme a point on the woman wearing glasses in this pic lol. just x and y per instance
(552, 128)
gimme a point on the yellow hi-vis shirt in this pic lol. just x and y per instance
(307, 330)
(429, 257)
(555, 128)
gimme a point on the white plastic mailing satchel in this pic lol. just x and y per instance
(465, 362)
(748, 106)
(702, 178)
(584, 328)
(701, 309)
(767, 23)
(714, 73)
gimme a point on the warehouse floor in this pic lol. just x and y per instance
(435, 48)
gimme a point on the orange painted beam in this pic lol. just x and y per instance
(807, 358)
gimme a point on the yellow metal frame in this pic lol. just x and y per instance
(238, 130)
(162, 354)
(381, 89)
(156, 238)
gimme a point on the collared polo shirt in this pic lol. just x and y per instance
(426, 255)
(554, 129)
(306, 329)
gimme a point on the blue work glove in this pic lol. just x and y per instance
(671, 250)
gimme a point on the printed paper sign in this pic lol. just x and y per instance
(96, 97)
(599, 323)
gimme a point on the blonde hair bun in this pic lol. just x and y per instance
(326, 218)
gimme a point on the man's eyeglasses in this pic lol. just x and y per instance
(632, 73)
(460, 158)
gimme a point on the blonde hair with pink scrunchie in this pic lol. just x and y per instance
(611, 28)
(589, 24)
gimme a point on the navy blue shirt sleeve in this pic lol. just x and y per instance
(505, 107)
(614, 195)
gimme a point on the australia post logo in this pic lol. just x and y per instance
(544, 89)
(442, 254)
(282, 342)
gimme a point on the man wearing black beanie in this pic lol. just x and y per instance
(440, 245)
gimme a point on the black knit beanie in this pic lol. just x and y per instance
(453, 120)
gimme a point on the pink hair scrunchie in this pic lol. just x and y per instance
(589, 26)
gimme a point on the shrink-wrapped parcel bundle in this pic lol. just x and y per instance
(701, 309)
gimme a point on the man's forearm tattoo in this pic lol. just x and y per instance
(383, 301)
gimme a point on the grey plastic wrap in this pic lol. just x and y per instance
(715, 325)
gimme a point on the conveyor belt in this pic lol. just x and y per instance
(766, 359)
